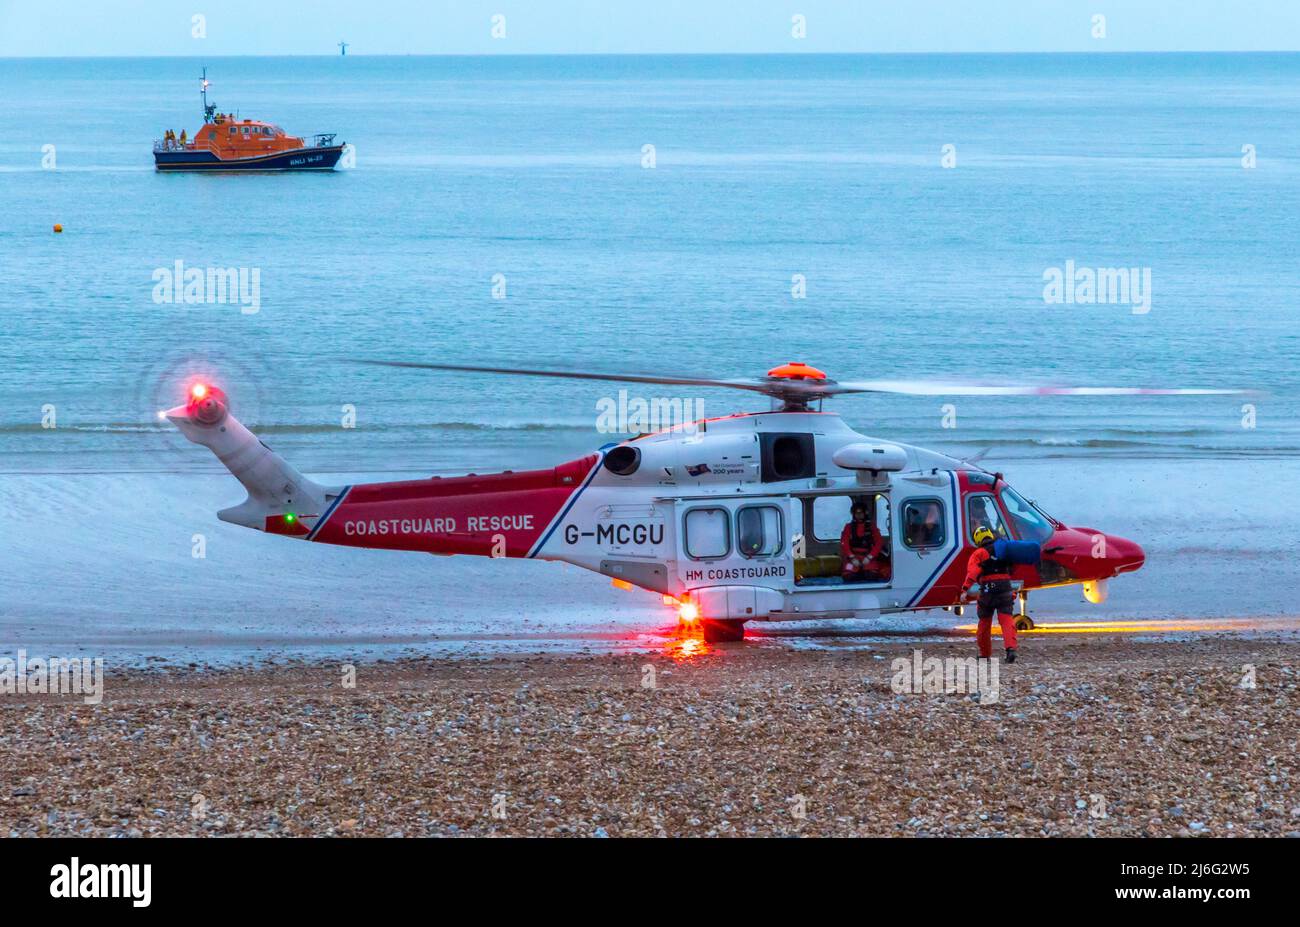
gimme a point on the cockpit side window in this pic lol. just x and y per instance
(1030, 523)
(982, 511)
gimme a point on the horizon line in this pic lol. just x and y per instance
(671, 54)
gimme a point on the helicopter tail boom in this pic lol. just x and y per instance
(510, 514)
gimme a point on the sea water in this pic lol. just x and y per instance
(881, 217)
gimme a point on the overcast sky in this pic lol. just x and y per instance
(398, 27)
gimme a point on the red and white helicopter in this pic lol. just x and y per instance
(731, 519)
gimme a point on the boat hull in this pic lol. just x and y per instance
(320, 158)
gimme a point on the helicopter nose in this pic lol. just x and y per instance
(1124, 556)
(1092, 554)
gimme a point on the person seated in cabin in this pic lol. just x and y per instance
(862, 549)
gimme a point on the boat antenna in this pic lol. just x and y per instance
(208, 108)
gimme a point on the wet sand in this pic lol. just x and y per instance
(1091, 734)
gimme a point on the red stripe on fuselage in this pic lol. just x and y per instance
(457, 515)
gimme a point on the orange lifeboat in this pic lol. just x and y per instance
(225, 143)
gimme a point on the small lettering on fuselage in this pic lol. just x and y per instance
(446, 525)
(620, 534)
(735, 573)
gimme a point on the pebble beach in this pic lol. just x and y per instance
(1090, 735)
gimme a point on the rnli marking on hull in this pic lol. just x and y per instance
(293, 159)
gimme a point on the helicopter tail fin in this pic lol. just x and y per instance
(280, 499)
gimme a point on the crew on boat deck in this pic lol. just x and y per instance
(862, 549)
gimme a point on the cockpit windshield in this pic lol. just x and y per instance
(1031, 524)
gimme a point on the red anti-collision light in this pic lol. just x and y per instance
(207, 404)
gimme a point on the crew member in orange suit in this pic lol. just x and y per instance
(861, 549)
(996, 595)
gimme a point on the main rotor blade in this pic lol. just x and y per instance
(940, 388)
(808, 390)
(755, 385)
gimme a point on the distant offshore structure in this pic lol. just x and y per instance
(343, 49)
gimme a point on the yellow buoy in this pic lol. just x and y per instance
(57, 227)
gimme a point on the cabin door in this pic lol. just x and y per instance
(730, 542)
(926, 540)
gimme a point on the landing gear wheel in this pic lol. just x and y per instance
(722, 632)
(1023, 621)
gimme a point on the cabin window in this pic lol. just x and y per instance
(212, 133)
(1030, 523)
(923, 524)
(982, 511)
(708, 534)
(758, 530)
(832, 513)
(266, 131)
(233, 130)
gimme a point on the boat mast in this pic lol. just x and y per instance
(208, 109)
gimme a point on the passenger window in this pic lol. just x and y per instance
(982, 511)
(923, 524)
(758, 530)
(708, 534)
(830, 513)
